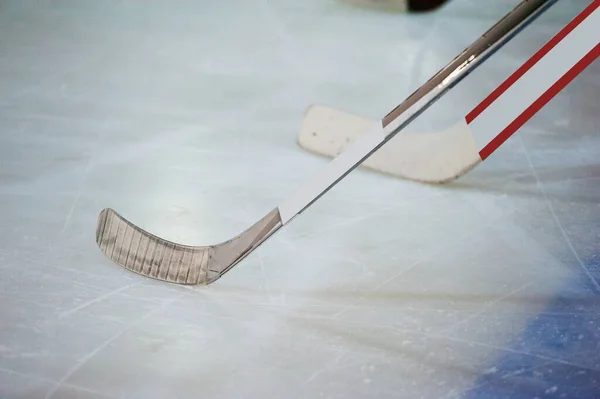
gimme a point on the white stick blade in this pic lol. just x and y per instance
(436, 157)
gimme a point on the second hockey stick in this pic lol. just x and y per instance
(446, 155)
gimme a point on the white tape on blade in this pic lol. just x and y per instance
(333, 171)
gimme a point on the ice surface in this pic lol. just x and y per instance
(184, 115)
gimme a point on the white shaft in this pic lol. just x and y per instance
(536, 81)
(333, 171)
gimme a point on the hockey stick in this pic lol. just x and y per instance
(139, 251)
(431, 157)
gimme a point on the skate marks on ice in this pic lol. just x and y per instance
(208, 344)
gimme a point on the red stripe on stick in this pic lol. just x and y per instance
(540, 102)
(531, 62)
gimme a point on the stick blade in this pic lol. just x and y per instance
(435, 157)
(143, 253)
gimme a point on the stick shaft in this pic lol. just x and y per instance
(536, 82)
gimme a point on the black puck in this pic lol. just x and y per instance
(424, 5)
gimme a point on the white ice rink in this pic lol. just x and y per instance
(184, 115)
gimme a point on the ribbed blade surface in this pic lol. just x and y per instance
(144, 253)
(141, 252)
